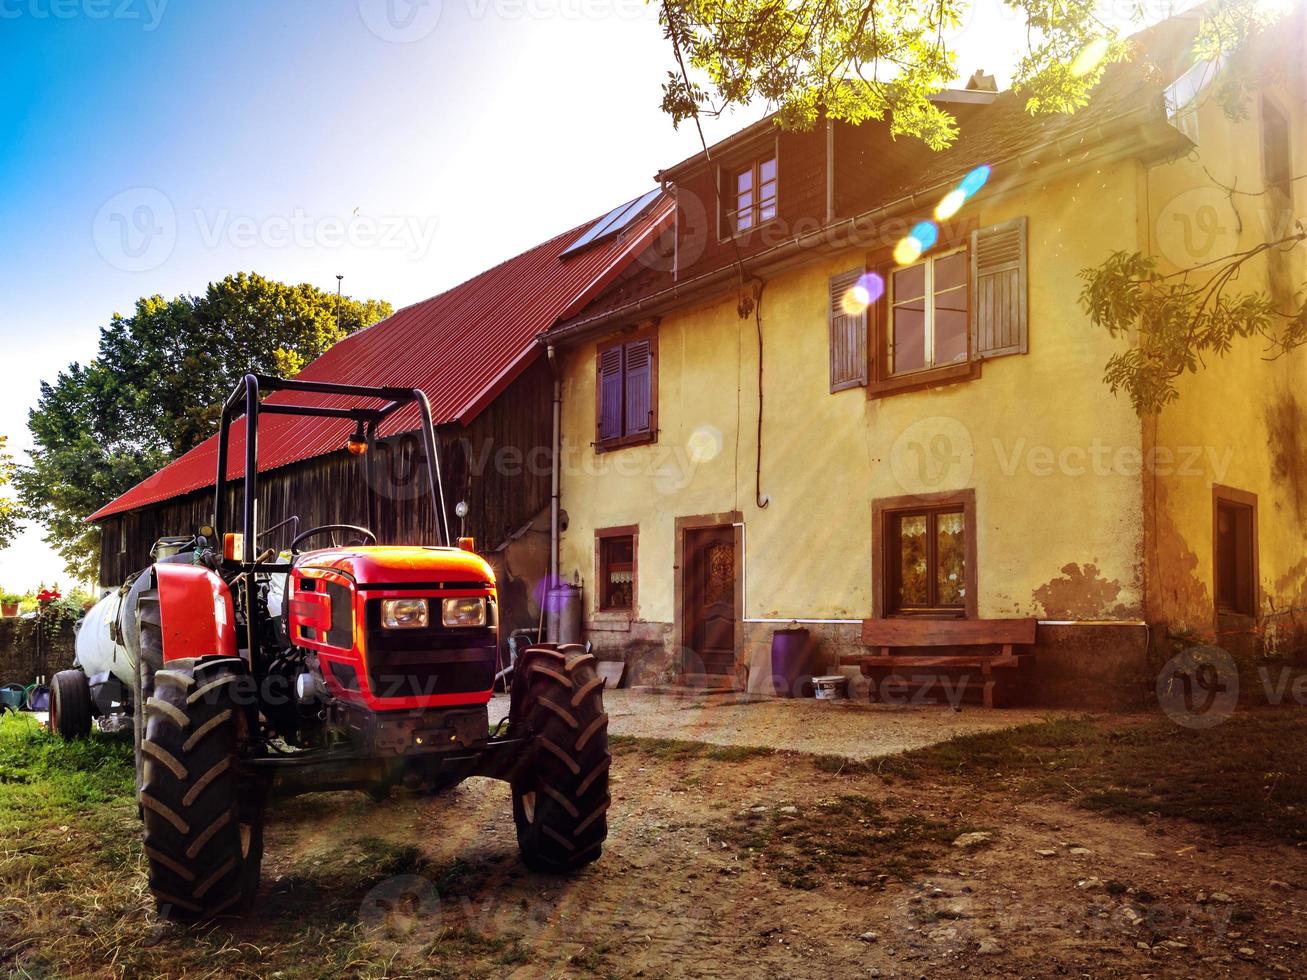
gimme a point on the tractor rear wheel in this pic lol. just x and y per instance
(560, 793)
(203, 820)
(70, 704)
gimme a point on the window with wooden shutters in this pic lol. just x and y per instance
(998, 282)
(627, 392)
(848, 333)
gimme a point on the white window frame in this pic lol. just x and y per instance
(930, 363)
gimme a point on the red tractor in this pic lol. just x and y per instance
(359, 666)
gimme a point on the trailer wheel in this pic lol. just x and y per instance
(203, 818)
(70, 704)
(560, 793)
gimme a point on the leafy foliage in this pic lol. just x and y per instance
(855, 60)
(153, 392)
(8, 512)
(1178, 320)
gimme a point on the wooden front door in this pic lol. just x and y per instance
(709, 627)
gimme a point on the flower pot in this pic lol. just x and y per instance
(8, 609)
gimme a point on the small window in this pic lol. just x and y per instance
(924, 552)
(616, 548)
(1235, 552)
(929, 324)
(929, 557)
(752, 191)
(627, 393)
(1277, 155)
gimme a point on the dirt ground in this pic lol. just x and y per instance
(858, 730)
(674, 895)
(720, 862)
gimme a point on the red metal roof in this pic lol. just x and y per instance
(462, 348)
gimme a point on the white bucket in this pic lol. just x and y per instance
(831, 687)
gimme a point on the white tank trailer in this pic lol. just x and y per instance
(100, 651)
(99, 685)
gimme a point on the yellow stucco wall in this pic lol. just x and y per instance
(1245, 414)
(1053, 457)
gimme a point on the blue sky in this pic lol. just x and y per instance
(151, 146)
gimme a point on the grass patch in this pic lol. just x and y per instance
(849, 837)
(74, 899)
(1248, 775)
(673, 749)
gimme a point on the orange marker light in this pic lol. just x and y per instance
(233, 546)
(467, 544)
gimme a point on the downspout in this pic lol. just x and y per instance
(830, 172)
(554, 468)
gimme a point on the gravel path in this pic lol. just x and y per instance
(853, 729)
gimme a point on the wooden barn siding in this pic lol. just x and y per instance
(801, 200)
(499, 464)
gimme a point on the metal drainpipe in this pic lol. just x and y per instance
(554, 466)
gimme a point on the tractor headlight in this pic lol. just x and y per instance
(463, 612)
(404, 614)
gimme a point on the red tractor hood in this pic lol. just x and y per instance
(396, 565)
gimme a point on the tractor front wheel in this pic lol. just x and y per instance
(560, 793)
(203, 819)
(70, 704)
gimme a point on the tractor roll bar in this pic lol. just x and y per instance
(245, 401)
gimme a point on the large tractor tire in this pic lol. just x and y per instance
(560, 792)
(70, 704)
(203, 821)
(147, 638)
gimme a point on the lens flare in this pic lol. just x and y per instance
(1090, 57)
(854, 300)
(950, 204)
(925, 232)
(869, 288)
(704, 444)
(874, 285)
(907, 251)
(975, 180)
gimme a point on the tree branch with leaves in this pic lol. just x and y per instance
(155, 390)
(860, 60)
(1180, 319)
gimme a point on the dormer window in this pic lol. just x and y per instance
(753, 190)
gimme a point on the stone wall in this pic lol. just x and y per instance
(1081, 665)
(25, 655)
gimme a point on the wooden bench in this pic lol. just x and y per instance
(987, 645)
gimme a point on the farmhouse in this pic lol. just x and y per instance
(854, 389)
(473, 350)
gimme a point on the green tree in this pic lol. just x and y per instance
(153, 392)
(860, 60)
(8, 512)
(856, 60)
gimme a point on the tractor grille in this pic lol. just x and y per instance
(418, 663)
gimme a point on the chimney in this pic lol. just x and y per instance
(980, 82)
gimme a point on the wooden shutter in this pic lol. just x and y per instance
(610, 394)
(639, 400)
(998, 290)
(848, 336)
